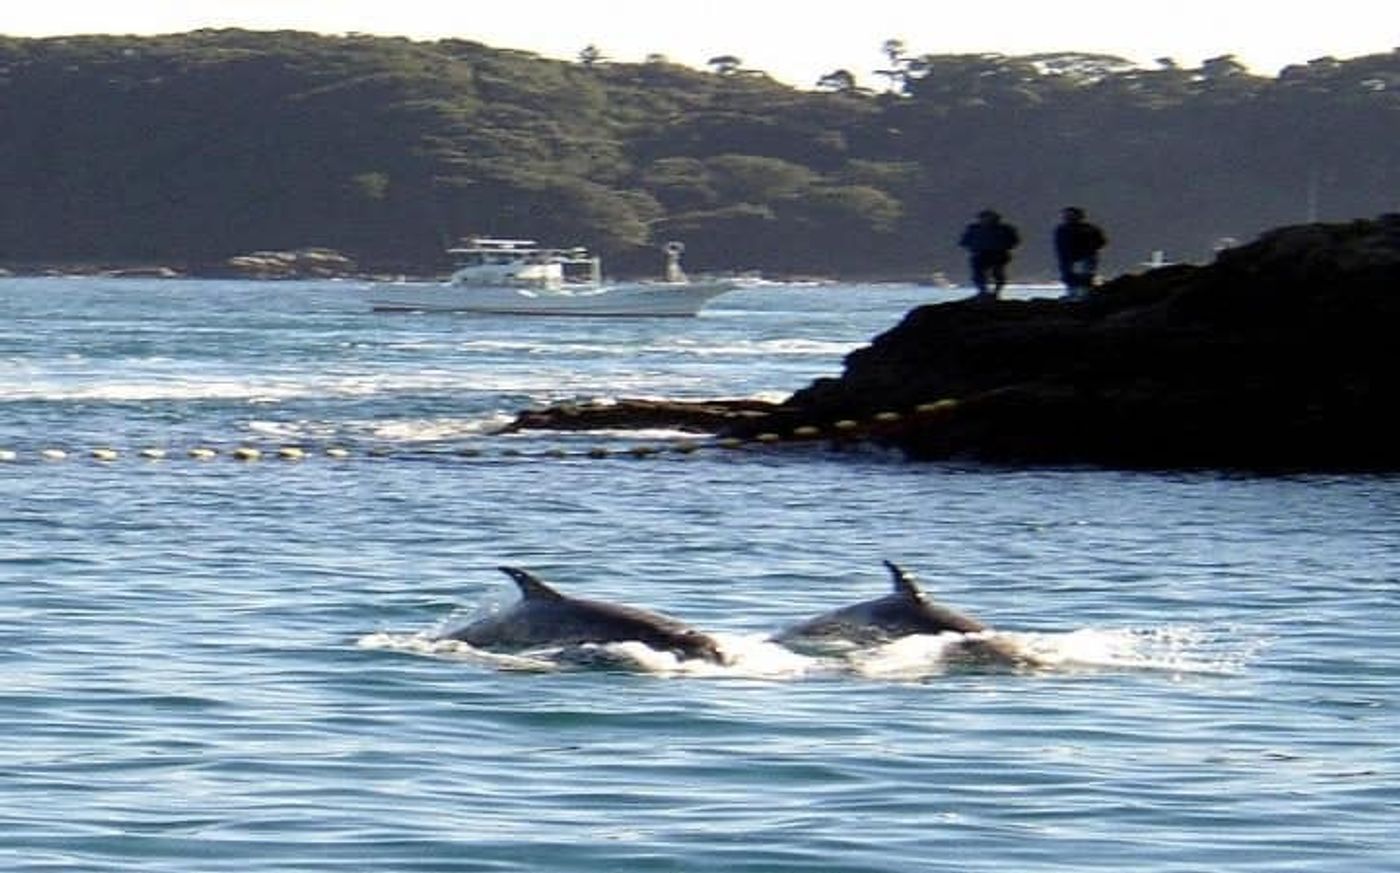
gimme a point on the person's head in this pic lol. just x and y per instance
(988, 216)
(1072, 214)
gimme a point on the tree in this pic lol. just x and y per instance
(725, 65)
(190, 147)
(590, 56)
(755, 179)
(838, 81)
(850, 210)
(893, 50)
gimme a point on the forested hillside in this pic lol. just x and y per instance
(187, 149)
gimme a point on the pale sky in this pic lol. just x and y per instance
(795, 42)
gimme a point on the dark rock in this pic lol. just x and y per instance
(707, 416)
(1276, 356)
(308, 263)
(153, 272)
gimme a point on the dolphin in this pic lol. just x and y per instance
(902, 613)
(544, 617)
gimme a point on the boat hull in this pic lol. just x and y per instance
(642, 299)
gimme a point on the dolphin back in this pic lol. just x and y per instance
(545, 617)
(905, 611)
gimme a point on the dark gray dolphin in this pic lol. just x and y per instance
(904, 612)
(544, 617)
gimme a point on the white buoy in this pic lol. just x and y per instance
(203, 454)
(53, 454)
(104, 454)
(291, 453)
(7, 455)
(153, 454)
(337, 452)
(246, 453)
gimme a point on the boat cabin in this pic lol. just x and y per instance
(523, 263)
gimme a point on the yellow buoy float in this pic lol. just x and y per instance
(938, 406)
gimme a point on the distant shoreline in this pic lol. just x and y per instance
(138, 270)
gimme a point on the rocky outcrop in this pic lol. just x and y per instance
(1276, 356)
(309, 263)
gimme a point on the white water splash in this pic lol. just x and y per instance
(427, 644)
(911, 658)
(1167, 649)
(423, 430)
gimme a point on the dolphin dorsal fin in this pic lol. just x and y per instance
(904, 583)
(531, 587)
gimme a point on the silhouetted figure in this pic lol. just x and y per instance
(1077, 244)
(989, 241)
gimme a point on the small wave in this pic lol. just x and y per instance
(153, 390)
(406, 430)
(773, 348)
(271, 389)
(683, 345)
(423, 430)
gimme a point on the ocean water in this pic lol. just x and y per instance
(227, 665)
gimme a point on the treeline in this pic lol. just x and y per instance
(188, 149)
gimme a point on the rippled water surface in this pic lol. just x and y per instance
(220, 665)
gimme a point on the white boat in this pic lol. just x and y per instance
(519, 277)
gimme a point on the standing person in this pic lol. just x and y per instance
(989, 242)
(1077, 244)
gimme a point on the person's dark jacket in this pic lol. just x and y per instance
(1078, 240)
(982, 238)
